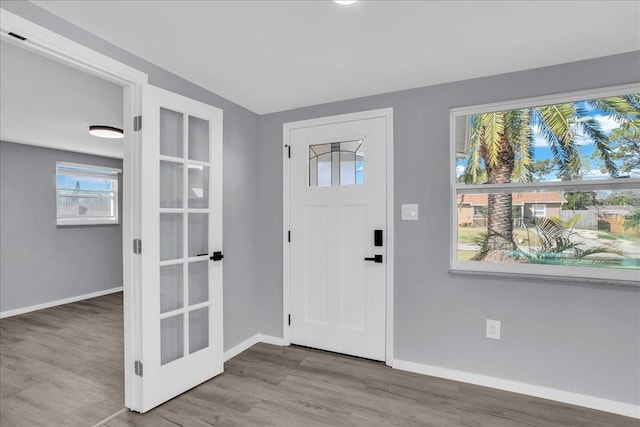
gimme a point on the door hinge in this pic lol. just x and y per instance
(137, 367)
(289, 236)
(137, 123)
(289, 320)
(288, 151)
(137, 246)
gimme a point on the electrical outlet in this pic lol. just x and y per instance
(493, 329)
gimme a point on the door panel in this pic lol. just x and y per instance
(338, 198)
(317, 261)
(353, 282)
(181, 289)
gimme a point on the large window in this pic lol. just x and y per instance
(86, 195)
(558, 182)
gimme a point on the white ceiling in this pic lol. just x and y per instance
(270, 56)
(49, 104)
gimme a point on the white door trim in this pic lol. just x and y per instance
(62, 49)
(387, 113)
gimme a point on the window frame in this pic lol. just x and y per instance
(100, 171)
(535, 271)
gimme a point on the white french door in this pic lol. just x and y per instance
(181, 234)
(338, 242)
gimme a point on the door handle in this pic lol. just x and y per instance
(376, 258)
(217, 256)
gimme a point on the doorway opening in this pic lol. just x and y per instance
(26, 35)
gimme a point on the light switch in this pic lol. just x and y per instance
(409, 212)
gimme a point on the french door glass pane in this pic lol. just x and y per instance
(170, 236)
(198, 234)
(198, 329)
(198, 139)
(171, 130)
(170, 185)
(171, 338)
(198, 187)
(198, 282)
(175, 335)
(171, 287)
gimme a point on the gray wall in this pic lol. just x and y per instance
(241, 309)
(574, 337)
(41, 262)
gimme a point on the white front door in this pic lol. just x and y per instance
(338, 223)
(181, 206)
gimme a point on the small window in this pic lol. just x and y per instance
(86, 195)
(337, 163)
(539, 211)
(479, 211)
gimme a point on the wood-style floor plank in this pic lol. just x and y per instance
(292, 386)
(63, 366)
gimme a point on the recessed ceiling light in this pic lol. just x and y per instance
(345, 2)
(102, 131)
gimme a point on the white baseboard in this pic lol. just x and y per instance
(244, 345)
(268, 339)
(23, 310)
(598, 403)
(250, 342)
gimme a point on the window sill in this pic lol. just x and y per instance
(75, 223)
(546, 278)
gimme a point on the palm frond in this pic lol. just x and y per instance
(592, 129)
(473, 169)
(494, 128)
(522, 135)
(623, 109)
(554, 122)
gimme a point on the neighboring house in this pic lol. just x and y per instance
(472, 208)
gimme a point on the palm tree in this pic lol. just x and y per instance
(501, 150)
(633, 221)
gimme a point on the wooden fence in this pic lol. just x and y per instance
(588, 220)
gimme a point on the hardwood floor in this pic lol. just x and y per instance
(63, 367)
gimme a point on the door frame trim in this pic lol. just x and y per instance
(387, 113)
(53, 45)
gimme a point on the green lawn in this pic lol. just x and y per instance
(470, 234)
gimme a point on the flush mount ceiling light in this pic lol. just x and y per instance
(102, 131)
(345, 2)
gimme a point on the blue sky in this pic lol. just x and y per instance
(86, 183)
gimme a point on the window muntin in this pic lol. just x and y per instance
(86, 195)
(336, 164)
(622, 262)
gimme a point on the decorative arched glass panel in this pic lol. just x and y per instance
(336, 163)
